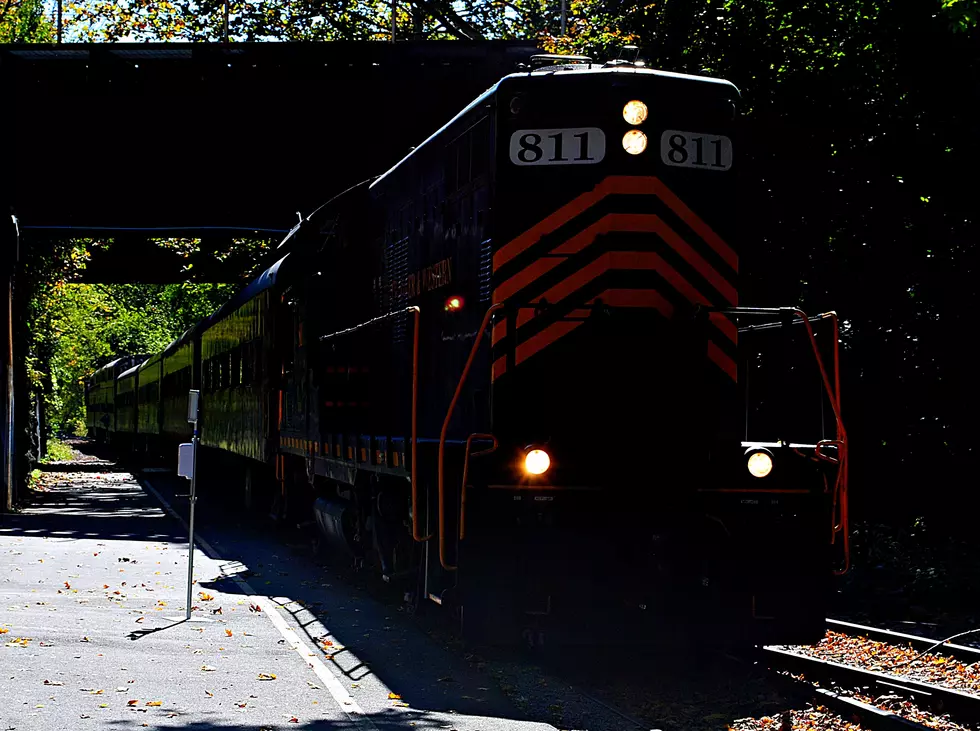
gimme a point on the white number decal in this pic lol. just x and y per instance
(695, 150)
(575, 146)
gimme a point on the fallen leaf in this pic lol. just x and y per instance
(208, 668)
(53, 682)
(84, 639)
(132, 702)
(121, 689)
(209, 694)
(217, 611)
(205, 597)
(154, 703)
(294, 720)
(67, 585)
(267, 676)
(394, 697)
(228, 632)
(314, 686)
(103, 705)
(254, 608)
(140, 619)
(105, 586)
(3, 630)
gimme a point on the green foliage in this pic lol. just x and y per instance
(75, 328)
(24, 21)
(58, 451)
(591, 23)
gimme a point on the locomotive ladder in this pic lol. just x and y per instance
(469, 441)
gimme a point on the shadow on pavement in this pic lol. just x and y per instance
(372, 641)
(106, 504)
(400, 718)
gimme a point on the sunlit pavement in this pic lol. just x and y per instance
(93, 581)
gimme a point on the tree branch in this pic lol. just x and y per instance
(5, 8)
(444, 12)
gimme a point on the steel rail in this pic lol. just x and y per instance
(966, 706)
(965, 653)
(867, 715)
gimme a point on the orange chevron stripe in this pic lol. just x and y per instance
(624, 184)
(524, 277)
(700, 227)
(499, 332)
(560, 329)
(618, 260)
(631, 260)
(612, 222)
(725, 325)
(499, 368)
(722, 360)
(616, 184)
(649, 223)
(543, 339)
(649, 298)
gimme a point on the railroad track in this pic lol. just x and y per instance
(832, 684)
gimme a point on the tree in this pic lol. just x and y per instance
(24, 21)
(328, 20)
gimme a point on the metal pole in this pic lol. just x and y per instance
(225, 36)
(564, 13)
(394, 8)
(190, 538)
(59, 20)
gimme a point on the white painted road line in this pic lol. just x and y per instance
(343, 699)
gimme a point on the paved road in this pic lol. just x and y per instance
(93, 574)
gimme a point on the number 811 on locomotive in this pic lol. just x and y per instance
(569, 146)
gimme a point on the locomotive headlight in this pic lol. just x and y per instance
(759, 463)
(536, 462)
(634, 142)
(635, 112)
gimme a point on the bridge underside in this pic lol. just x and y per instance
(133, 142)
(198, 138)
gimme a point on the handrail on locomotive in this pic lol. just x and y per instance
(839, 513)
(416, 311)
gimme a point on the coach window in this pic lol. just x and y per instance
(234, 376)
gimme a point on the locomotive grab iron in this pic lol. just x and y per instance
(513, 372)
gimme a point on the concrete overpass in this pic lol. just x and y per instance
(139, 141)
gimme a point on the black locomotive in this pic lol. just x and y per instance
(513, 372)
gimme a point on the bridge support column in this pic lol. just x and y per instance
(9, 250)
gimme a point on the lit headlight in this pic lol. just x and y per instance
(759, 463)
(635, 112)
(536, 462)
(634, 142)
